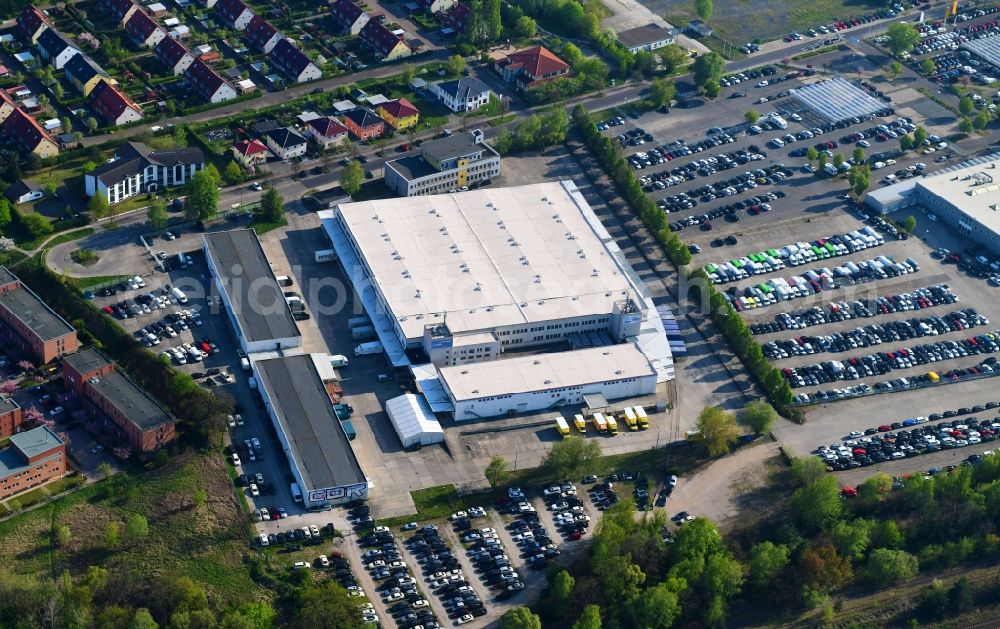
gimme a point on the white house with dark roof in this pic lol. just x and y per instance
(55, 48)
(143, 30)
(138, 170)
(294, 63)
(235, 13)
(174, 55)
(262, 35)
(465, 94)
(208, 83)
(285, 143)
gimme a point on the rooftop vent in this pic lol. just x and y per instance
(537, 362)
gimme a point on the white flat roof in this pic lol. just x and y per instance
(973, 188)
(489, 258)
(541, 372)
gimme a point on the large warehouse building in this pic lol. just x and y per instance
(254, 302)
(467, 277)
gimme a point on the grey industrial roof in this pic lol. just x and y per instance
(644, 35)
(32, 311)
(320, 448)
(836, 99)
(131, 399)
(260, 305)
(7, 404)
(988, 48)
(6, 277)
(35, 441)
(86, 360)
(457, 145)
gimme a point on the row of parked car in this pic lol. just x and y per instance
(492, 562)
(641, 159)
(832, 312)
(874, 334)
(384, 562)
(748, 75)
(730, 212)
(442, 571)
(881, 363)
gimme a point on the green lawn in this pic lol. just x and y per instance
(58, 240)
(432, 503)
(262, 227)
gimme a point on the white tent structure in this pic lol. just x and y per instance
(414, 421)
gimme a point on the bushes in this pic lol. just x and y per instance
(730, 324)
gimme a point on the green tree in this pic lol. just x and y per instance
(272, 205)
(560, 595)
(767, 560)
(906, 143)
(759, 416)
(497, 471)
(156, 214)
(657, 608)
(199, 497)
(960, 596)
(456, 64)
(902, 37)
(525, 27)
(233, 173)
(751, 116)
(662, 91)
(858, 155)
(91, 124)
(573, 458)
(838, 159)
(886, 567)
(704, 9)
(520, 618)
(895, 68)
(324, 604)
(36, 225)
(707, 68)
(98, 206)
(886, 534)
(712, 89)
(966, 106)
(202, 200)
(965, 125)
(812, 154)
(673, 57)
(62, 535)
(408, 74)
(590, 618)
(142, 619)
(817, 506)
(910, 224)
(6, 212)
(934, 601)
(136, 527)
(919, 137)
(112, 535)
(352, 177)
(859, 178)
(718, 429)
(927, 66)
(981, 121)
(852, 539)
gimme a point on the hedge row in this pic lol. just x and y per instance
(732, 325)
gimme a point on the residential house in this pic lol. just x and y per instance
(55, 48)
(294, 63)
(450, 163)
(134, 418)
(209, 84)
(29, 325)
(235, 13)
(326, 131)
(465, 94)
(436, 6)
(364, 124)
(250, 152)
(157, 9)
(28, 135)
(10, 417)
(120, 10)
(648, 38)
(23, 191)
(174, 55)
(456, 17)
(285, 143)
(262, 35)
(143, 30)
(33, 457)
(387, 45)
(350, 17)
(137, 170)
(84, 73)
(399, 114)
(31, 22)
(208, 4)
(7, 106)
(113, 105)
(530, 67)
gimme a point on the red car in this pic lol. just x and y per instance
(884, 428)
(107, 309)
(575, 535)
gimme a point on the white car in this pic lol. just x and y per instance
(256, 187)
(464, 619)
(393, 596)
(552, 491)
(458, 515)
(301, 565)
(254, 491)
(323, 561)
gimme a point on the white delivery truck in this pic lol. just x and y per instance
(365, 349)
(179, 295)
(296, 492)
(338, 360)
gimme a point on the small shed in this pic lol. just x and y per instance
(24, 191)
(414, 421)
(699, 28)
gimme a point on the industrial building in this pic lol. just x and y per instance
(835, 100)
(253, 301)
(987, 49)
(443, 165)
(319, 452)
(457, 279)
(414, 421)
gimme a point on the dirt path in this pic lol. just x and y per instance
(719, 491)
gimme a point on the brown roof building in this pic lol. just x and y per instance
(26, 322)
(531, 66)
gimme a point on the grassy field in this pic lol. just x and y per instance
(209, 542)
(742, 21)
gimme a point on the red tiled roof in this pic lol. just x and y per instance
(536, 61)
(140, 26)
(399, 108)
(30, 20)
(379, 37)
(327, 127)
(251, 147)
(259, 31)
(110, 102)
(170, 51)
(204, 78)
(24, 130)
